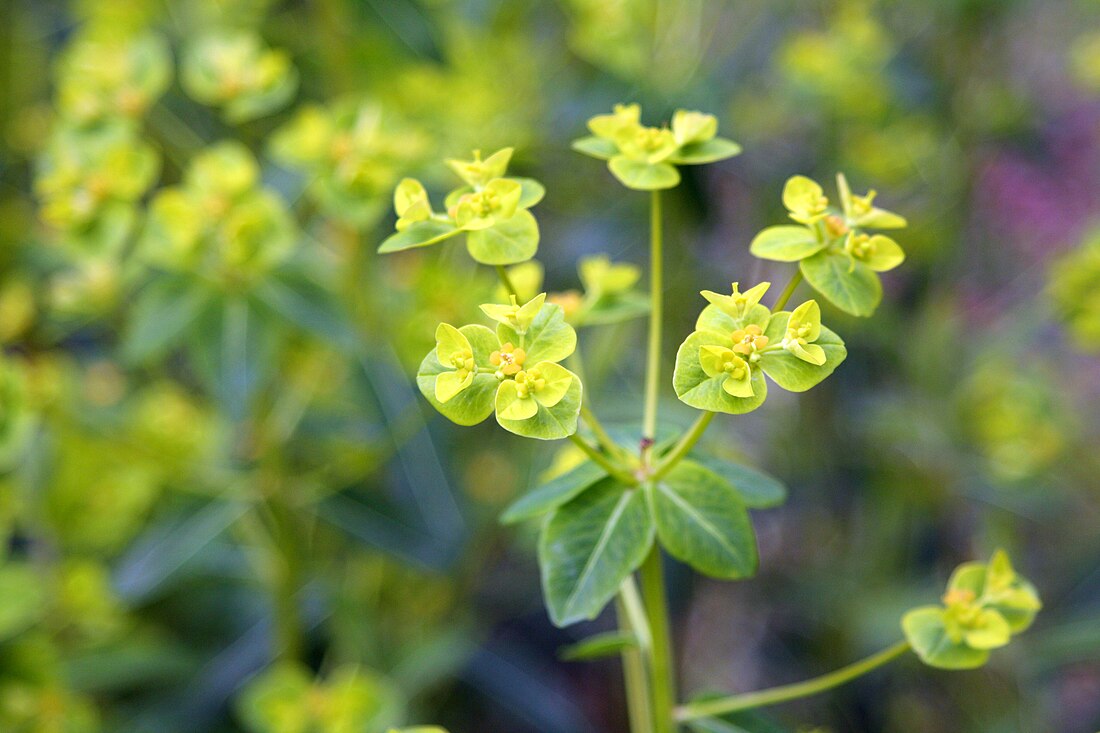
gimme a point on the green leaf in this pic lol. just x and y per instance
(714, 318)
(163, 311)
(420, 234)
(475, 403)
(548, 338)
(596, 147)
(790, 372)
(531, 192)
(589, 546)
(702, 521)
(24, 598)
(599, 646)
(786, 244)
(549, 423)
(926, 632)
(757, 489)
(642, 176)
(507, 242)
(712, 150)
(702, 392)
(852, 287)
(554, 493)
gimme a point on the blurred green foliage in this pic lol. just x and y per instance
(217, 481)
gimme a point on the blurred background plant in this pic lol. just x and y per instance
(222, 505)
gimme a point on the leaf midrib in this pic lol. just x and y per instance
(700, 519)
(601, 544)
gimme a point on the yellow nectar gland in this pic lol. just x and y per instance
(859, 246)
(649, 138)
(528, 382)
(463, 362)
(835, 226)
(509, 361)
(749, 340)
(799, 333)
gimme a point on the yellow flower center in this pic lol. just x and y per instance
(749, 339)
(508, 360)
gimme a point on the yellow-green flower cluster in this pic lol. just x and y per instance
(351, 155)
(984, 607)
(836, 253)
(720, 366)
(89, 182)
(104, 77)
(219, 220)
(645, 158)
(490, 209)
(514, 372)
(1074, 288)
(238, 73)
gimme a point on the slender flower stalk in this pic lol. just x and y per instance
(786, 693)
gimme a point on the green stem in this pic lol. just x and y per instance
(632, 619)
(691, 437)
(653, 355)
(505, 280)
(788, 291)
(286, 556)
(599, 432)
(603, 461)
(795, 691)
(662, 675)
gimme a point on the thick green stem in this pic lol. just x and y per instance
(632, 619)
(788, 291)
(603, 461)
(505, 280)
(286, 553)
(691, 437)
(662, 674)
(784, 693)
(653, 354)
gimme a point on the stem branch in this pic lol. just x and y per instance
(681, 449)
(794, 691)
(788, 291)
(603, 461)
(505, 280)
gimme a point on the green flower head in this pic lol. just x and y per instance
(645, 158)
(836, 254)
(103, 78)
(985, 605)
(219, 221)
(721, 366)
(351, 155)
(491, 210)
(236, 72)
(477, 172)
(514, 372)
(89, 181)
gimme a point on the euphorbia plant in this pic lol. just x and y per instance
(606, 520)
